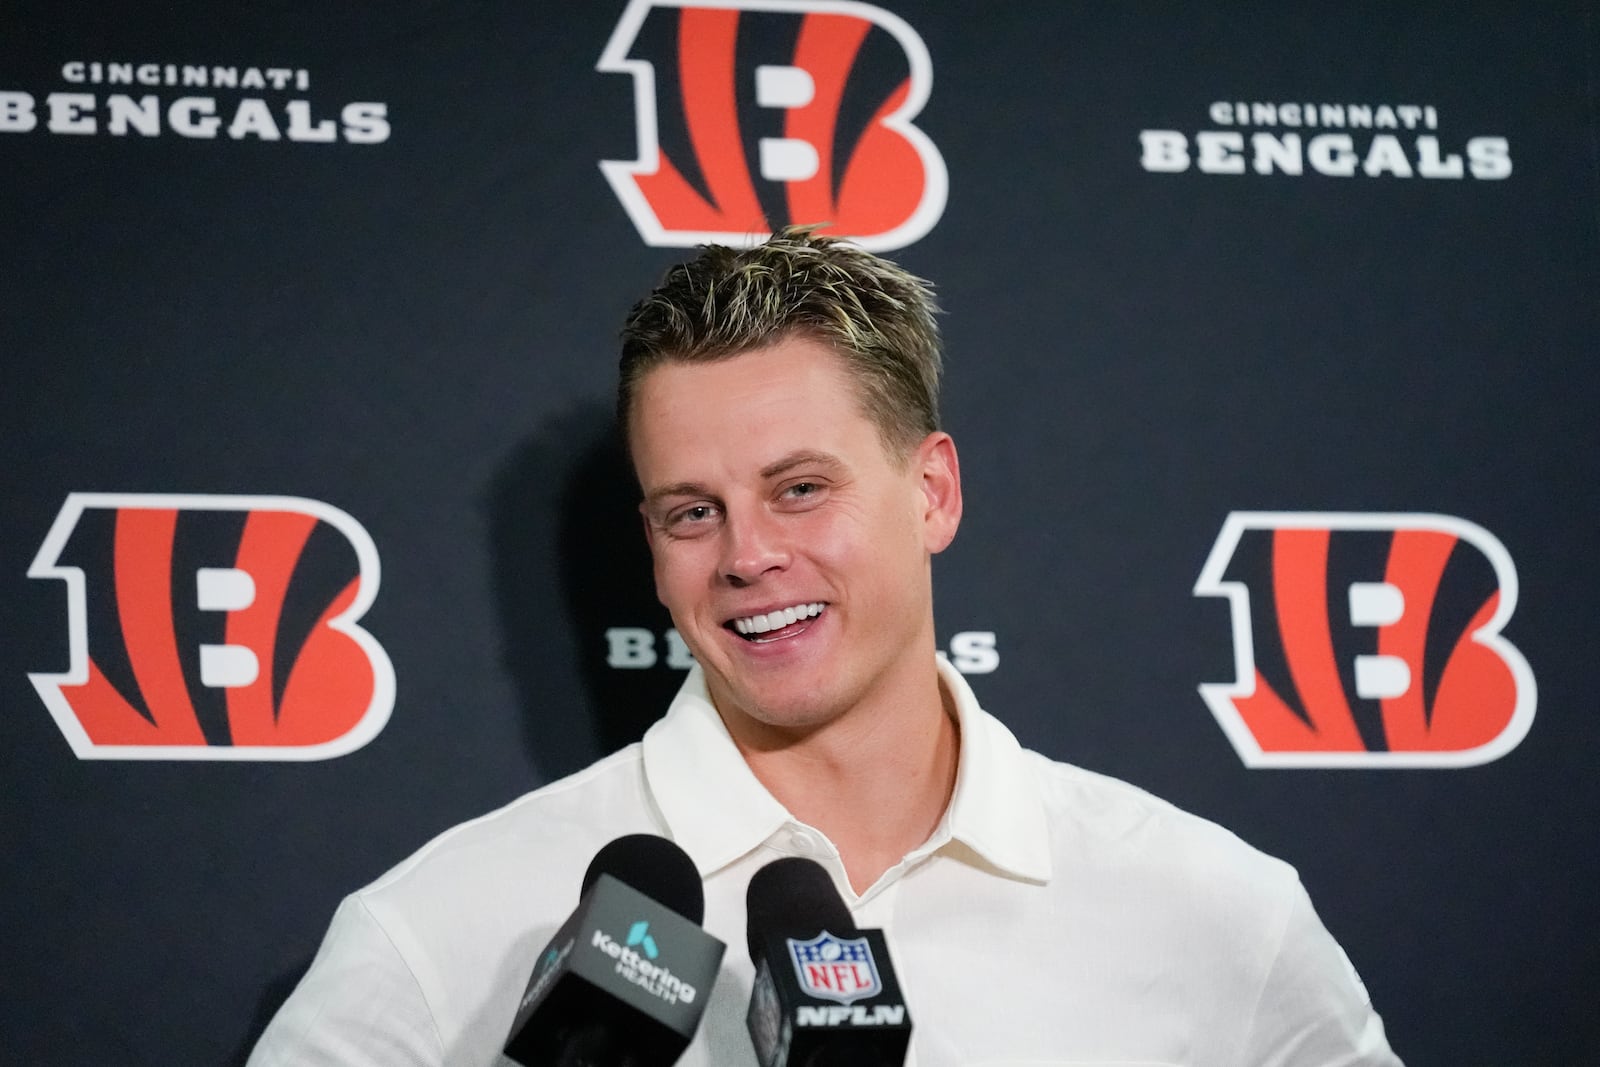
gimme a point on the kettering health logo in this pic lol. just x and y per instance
(1367, 640)
(752, 114)
(639, 935)
(636, 966)
(205, 627)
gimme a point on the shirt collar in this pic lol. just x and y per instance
(718, 811)
(713, 805)
(998, 808)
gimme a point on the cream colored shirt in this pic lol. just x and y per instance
(1056, 916)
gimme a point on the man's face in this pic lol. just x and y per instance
(790, 547)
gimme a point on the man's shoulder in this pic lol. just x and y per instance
(544, 837)
(1118, 827)
(443, 942)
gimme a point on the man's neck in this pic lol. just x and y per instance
(876, 780)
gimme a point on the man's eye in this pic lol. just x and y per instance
(799, 489)
(693, 515)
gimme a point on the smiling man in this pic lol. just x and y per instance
(792, 538)
(781, 409)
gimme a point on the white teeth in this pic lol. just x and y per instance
(776, 620)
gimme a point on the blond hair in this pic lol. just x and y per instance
(728, 301)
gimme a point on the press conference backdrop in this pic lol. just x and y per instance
(1272, 349)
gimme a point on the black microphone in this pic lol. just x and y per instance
(825, 993)
(625, 980)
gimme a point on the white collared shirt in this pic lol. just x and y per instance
(1055, 916)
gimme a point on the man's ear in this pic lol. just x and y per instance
(939, 468)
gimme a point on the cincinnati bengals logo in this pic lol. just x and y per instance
(756, 113)
(1367, 640)
(214, 627)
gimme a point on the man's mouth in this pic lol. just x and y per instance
(754, 627)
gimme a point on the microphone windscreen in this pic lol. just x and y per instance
(794, 897)
(655, 867)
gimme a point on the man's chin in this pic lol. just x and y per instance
(773, 718)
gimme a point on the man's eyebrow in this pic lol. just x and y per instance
(655, 496)
(802, 458)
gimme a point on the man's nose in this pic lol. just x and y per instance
(753, 545)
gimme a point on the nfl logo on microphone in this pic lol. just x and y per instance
(833, 968)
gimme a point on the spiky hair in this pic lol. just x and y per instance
(728, 301)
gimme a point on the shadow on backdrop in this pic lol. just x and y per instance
(581, 548)
(569, 561)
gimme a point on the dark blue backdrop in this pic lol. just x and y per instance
(420, 332)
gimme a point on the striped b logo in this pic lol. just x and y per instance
(214, 627)
(1367, 640)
